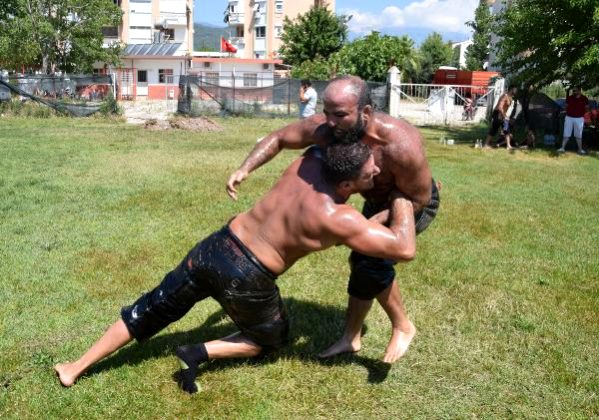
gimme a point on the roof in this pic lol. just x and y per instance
(235, 60)
(163, 49)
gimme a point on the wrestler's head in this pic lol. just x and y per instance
(347, 107)
(350, 167)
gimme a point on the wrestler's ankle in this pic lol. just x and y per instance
(403, 327)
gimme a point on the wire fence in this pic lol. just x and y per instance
(77, 95)
(205, 94)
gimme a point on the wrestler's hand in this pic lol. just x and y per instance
(381, 217)
(234, 180)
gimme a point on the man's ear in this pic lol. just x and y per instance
(367, 112)
(344, 186)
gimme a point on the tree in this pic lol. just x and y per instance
(57, 34)
(545, 40)
(478, 53)
(370, 57)
(317, 69)
(433, 53)
(316, 33)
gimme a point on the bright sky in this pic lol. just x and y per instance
(416, 18)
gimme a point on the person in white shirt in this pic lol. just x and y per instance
(308, 98)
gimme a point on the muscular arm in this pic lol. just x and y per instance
(410, 168)
(294, 136)
(397, 242)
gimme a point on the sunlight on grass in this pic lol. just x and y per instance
(504, 290)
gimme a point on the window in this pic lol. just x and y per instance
(278, 31)
(142, 76)
(110, 31)
(250, 79)
(165, 75)
(279, 6)
(211, 78)
(168, 34)
(260, 31)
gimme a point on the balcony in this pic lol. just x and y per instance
(234, 18)
(170, 20)
(173, 6)
(238, 42)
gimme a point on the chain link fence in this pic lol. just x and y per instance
(209, 94)
(77, 95)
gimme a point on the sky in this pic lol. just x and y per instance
(416, 18)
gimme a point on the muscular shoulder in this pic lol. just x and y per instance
(302, 133)
(344, 221)
(402, 141)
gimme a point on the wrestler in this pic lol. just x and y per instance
(304, 212)
(398, 151)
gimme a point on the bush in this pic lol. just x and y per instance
(17, 107)
(110, 106)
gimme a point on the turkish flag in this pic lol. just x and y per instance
(226, 46)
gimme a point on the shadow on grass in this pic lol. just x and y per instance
(313, 326)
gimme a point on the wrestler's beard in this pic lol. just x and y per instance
(351, 135)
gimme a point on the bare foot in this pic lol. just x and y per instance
(65, 373)
(399, 343)
(343, 345)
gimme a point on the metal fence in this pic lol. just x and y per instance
(77, 95)
(263, 95)
(442, 104)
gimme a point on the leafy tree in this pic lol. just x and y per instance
(370, 57)
(316, 33)
(57, 34)
(478, 53)
(545, 40)
(317, 69)
(433, 53)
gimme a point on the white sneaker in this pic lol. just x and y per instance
(582, 152)
(561, 150)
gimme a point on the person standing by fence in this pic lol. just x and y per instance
(576, 106)
(308, 98)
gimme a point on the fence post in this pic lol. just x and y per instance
(394, 80)
(288, 96)
(233, 77)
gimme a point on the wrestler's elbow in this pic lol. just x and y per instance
(404, 253)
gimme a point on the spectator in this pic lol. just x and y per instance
(576, 106)
(308, 98)
(468, 107)
(499, 117)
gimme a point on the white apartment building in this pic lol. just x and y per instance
(256, 25)
(159, 44)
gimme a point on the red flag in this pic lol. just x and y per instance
(226, 46)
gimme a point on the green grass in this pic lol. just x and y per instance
(504, 290)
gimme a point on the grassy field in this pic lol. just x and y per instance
(504, 290)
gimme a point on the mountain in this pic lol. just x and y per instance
(206, 37)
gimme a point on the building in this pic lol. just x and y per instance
(497, 6)
(159, 45)
(235, 72)
(256, 25)
(463, 47)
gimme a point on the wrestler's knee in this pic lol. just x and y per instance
(271, 335)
